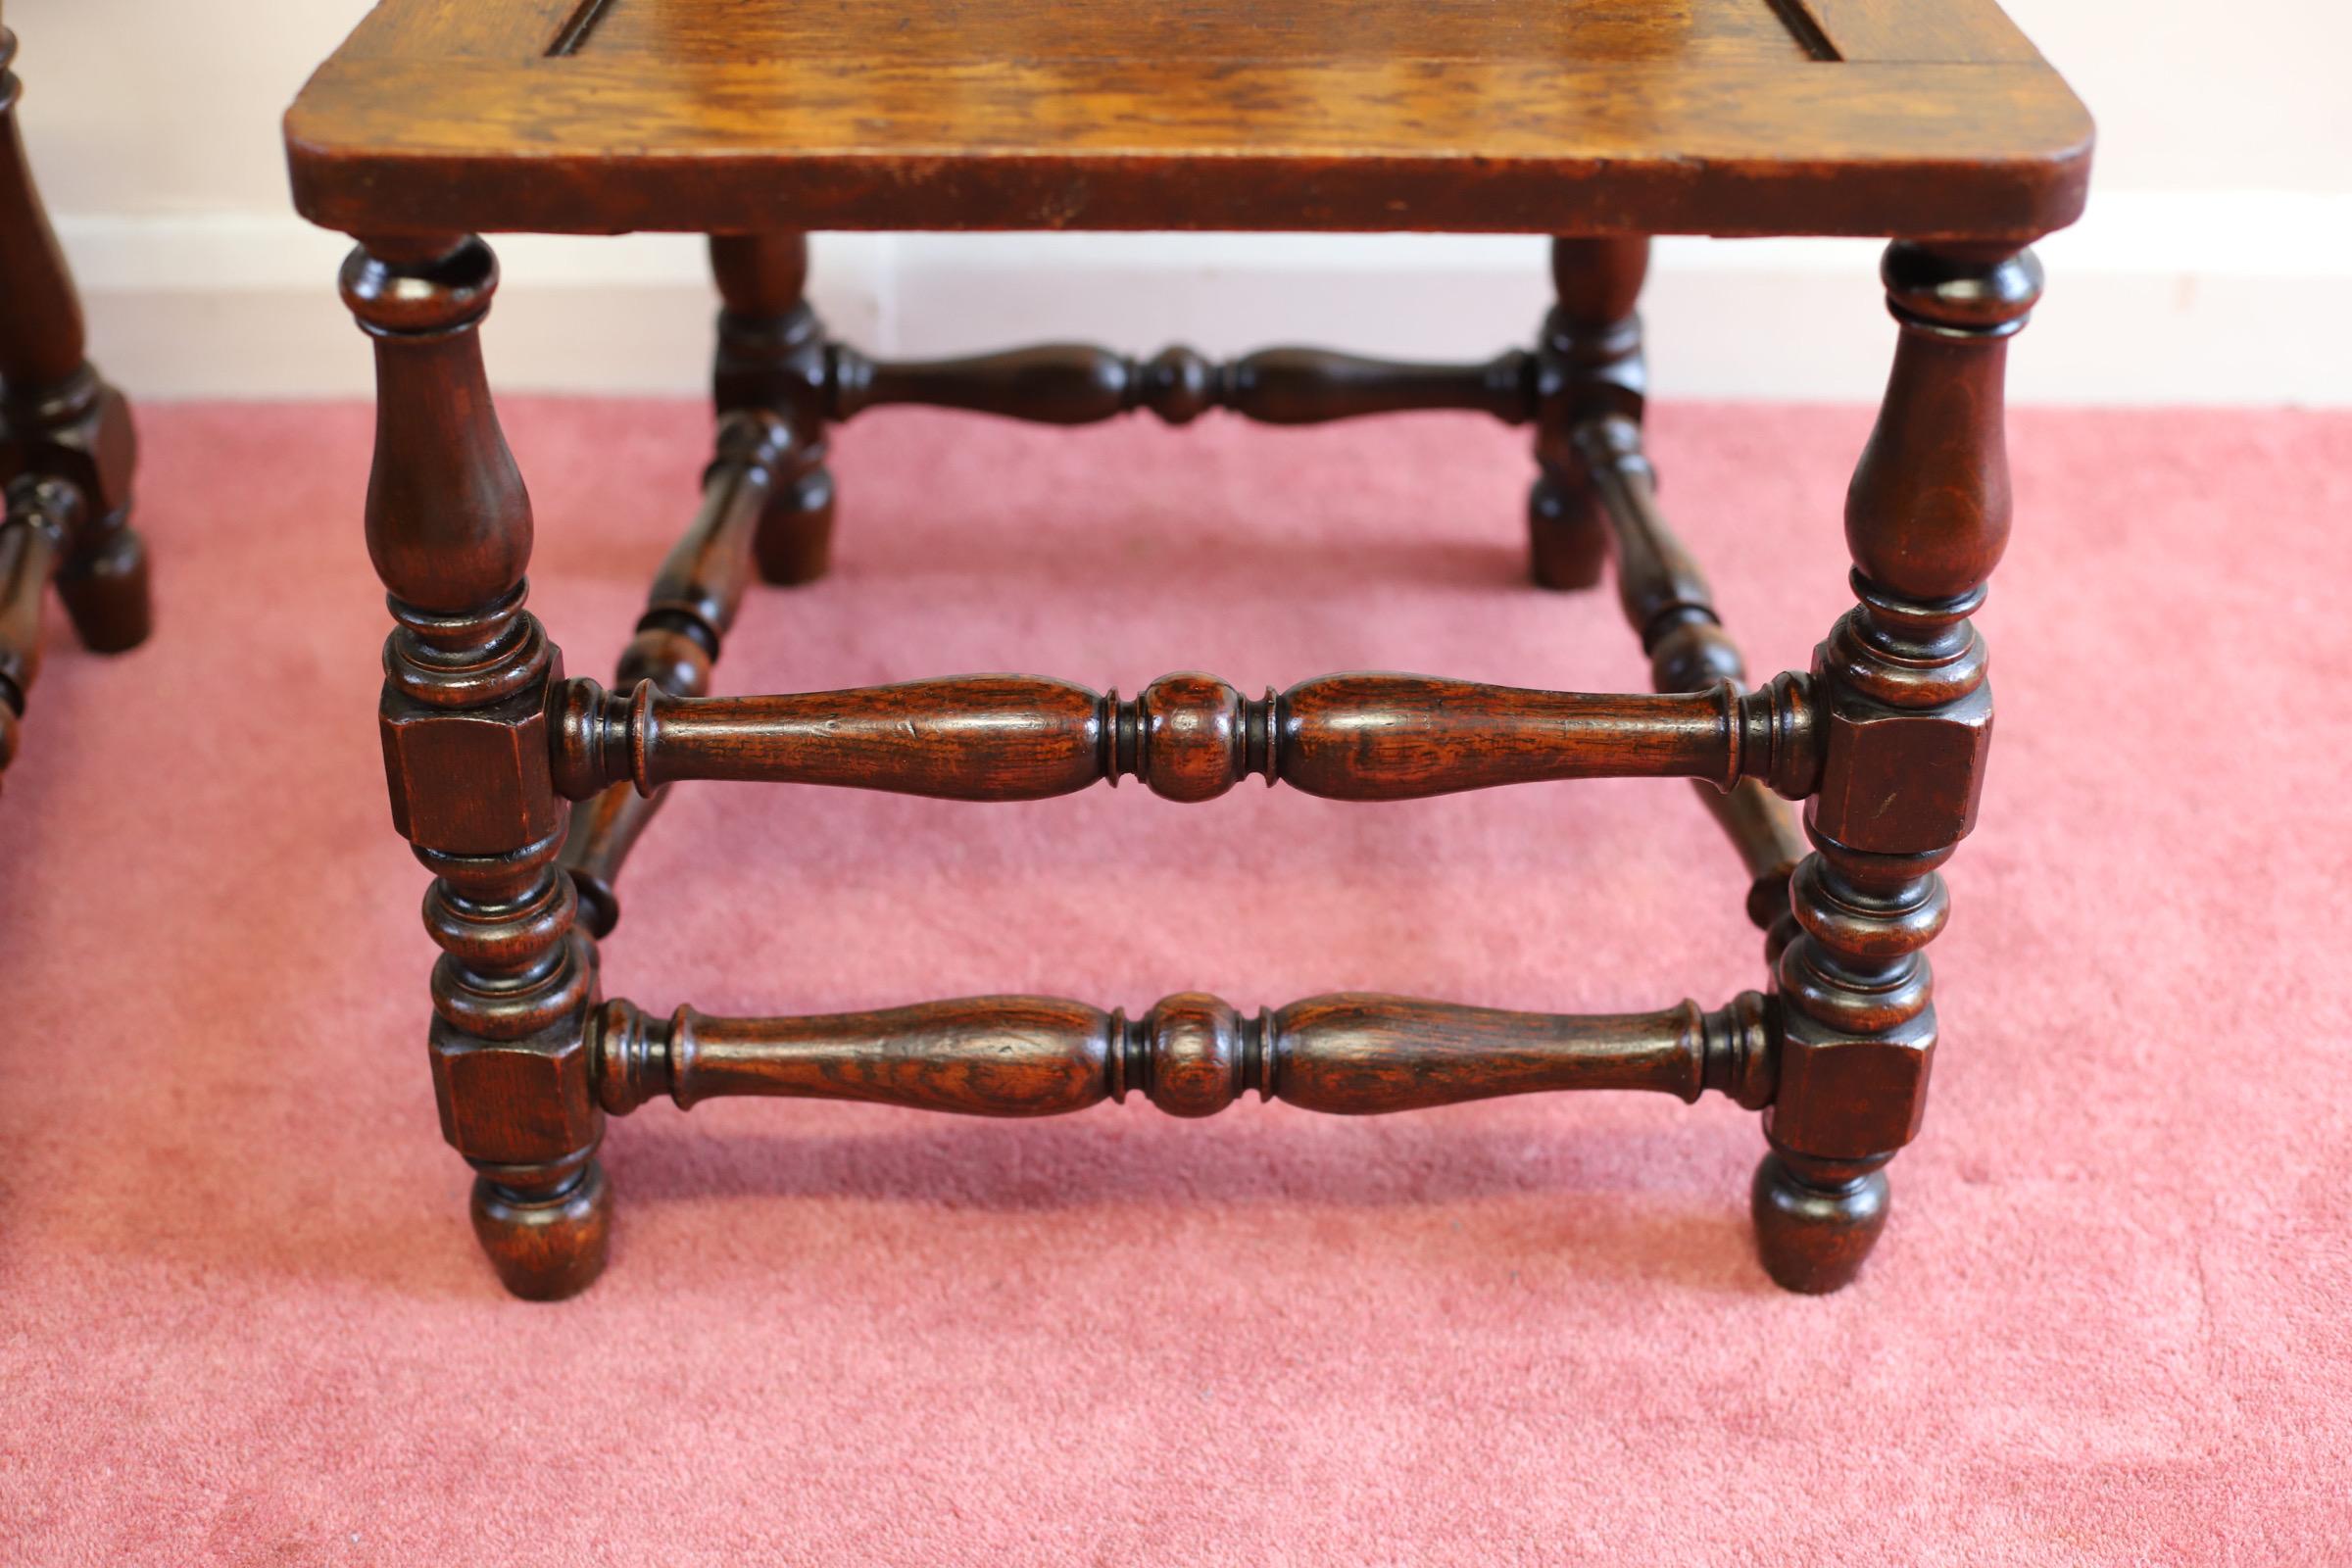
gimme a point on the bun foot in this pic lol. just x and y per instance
(546, 1248)
(1817, 1220)
(795, 542)
(1566, 546)
(105, 593)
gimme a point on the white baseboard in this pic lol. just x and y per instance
(2227, 298)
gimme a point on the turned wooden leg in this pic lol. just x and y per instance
(463, 719)
(1588, 368)
(1906, 720)
(772, 355)
(57, 418)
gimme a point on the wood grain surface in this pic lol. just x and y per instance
(1351, 1054)
(1709, 116)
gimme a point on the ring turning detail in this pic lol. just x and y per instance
(1192, 1055)
(522, 789)
(1190, 737)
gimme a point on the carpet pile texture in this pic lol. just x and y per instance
(242, 1318)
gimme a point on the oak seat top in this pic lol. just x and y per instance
(1924, 118)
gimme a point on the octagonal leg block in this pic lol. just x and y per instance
(1906, 714)
(468, 672)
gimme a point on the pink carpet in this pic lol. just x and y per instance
(242, 1319)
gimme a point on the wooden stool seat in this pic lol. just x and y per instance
(1719, 116)
(522, 787)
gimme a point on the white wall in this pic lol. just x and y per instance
(2212, 267)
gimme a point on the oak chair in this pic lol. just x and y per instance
(522, 788)
(67, 449)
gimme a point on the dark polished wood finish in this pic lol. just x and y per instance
(693, 603)
(1588, 368)
(1908, 722)
(1720, 117)
(1598, 125)
(468, 678)
(772, 355)
(1356, 1054)
(1364, 737)
(1671, 609)
(66, 448)
(1078, 384)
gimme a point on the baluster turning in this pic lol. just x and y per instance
(1189, 737)
(1193, 1054)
